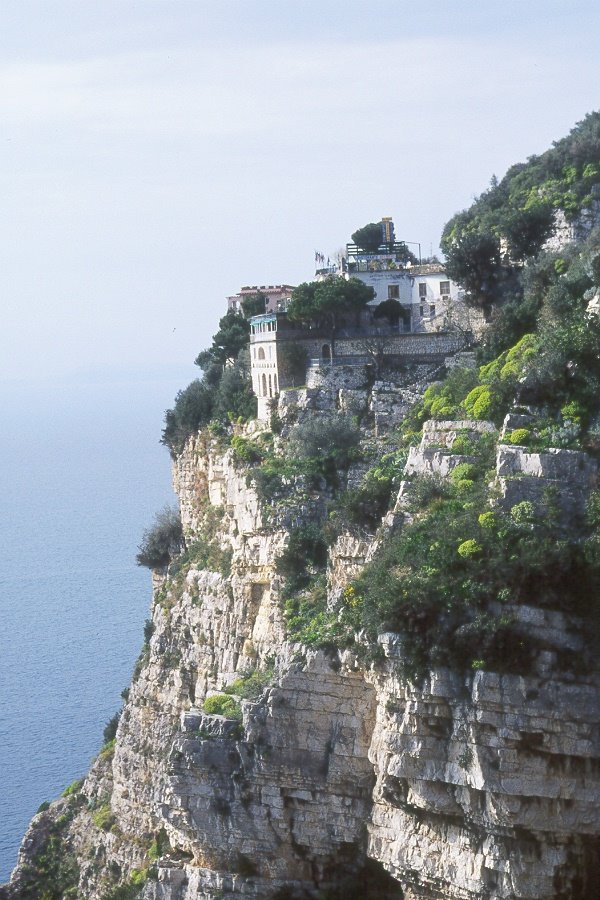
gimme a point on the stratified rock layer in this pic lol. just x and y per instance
(462, 787)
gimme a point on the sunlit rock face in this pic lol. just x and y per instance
(338, 774)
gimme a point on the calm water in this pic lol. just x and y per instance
(81, 476)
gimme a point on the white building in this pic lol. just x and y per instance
(437, 302)
(430, 300)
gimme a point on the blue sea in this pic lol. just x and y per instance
(82, 474)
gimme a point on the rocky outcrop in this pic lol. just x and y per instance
(336, 773)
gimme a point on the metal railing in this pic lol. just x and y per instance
(338, 361)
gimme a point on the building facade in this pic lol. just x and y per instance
(277, 297)
(434, 320)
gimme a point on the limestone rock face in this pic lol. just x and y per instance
(335, 773)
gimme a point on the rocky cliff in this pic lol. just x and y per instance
(248, 764)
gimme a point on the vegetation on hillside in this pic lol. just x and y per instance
(449, 580)
(495, 248)
(224, 394)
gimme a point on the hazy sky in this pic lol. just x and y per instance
(158, 154)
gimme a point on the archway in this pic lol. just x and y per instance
(326, 353)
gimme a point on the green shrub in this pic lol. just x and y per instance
(462, 471)
(366, 504)
(222, 705)
(304, 556)
(73, 789)
(159, 846)
(523, 513)
(488, 519)
(519, 436)
(310, 622)
(462, 444)
(103, 817)
(110, 729)
(442, 399)
(481, 403)
(469, 548)
(278, 475)
(425, 489)
(251, 686)
(163, 541)
(330, 440)
(108, 748)
(246, 451)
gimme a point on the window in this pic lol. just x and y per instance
(444, 287)
(423, 289)
(422, 311)
(432, 309)
(393, 291)
(261, 352)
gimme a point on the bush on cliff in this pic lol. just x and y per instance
(434, 580)
(221, 398)
(163, 541)
(304, 556)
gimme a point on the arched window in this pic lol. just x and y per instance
(276, 389)
(261, 352)
(264, 385)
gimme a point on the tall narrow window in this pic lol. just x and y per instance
(422, 289)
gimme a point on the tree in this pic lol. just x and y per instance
(163, 541)
(193, 409)
(391, 310)
(473, 259)
(234, 398)
(324, 304)
(232, 336)
(404, 255)
(377, 346)
(292, 365)
(369, 238)
(254, 305)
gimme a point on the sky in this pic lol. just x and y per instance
(157, 155)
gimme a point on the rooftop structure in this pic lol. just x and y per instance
(277, 296)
